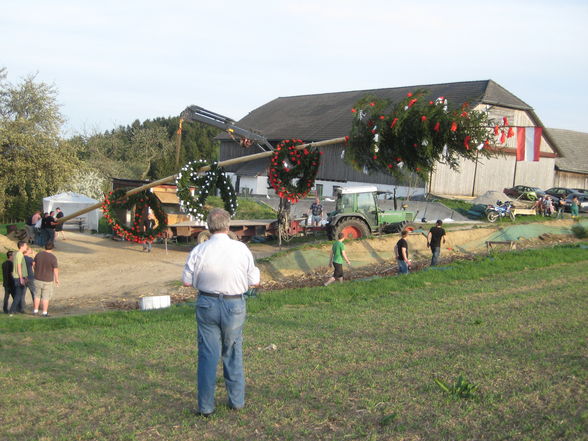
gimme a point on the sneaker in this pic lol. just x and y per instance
(44, 315)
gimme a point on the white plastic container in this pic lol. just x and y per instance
(154, 302)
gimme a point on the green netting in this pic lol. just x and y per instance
(310, 259)
(530, 231)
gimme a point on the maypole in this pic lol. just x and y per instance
(226, 163)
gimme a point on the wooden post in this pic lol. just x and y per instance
(475, 173)
(203, 169)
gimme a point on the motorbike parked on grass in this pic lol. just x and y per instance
(501, 209)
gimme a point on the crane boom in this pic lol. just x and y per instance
(200, 114)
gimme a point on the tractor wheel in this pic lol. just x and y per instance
(203, 236)
(352, 229)
(492, 216)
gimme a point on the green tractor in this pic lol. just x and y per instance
(357, 215)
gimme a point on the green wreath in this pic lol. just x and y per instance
(215, 177)
(135, 233)
(288, 164)
(416, 133)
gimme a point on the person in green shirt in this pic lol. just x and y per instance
(336, 259)
(20, 275)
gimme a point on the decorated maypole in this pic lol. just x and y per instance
(410, 136)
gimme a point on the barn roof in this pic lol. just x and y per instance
(573, 149)
(328, 115)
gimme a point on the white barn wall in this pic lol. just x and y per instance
(496, 173)
(571, 180)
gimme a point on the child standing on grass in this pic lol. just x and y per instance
(336, 259)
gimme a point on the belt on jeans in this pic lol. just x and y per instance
(223, 296)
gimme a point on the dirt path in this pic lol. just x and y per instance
(99, 274)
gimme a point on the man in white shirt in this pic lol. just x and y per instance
(222, 270)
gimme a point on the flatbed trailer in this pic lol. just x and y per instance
(242, 230)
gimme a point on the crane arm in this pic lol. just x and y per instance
(199, 114)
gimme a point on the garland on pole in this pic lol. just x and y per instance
(288, 164)
(417, 133)
(214, 178)
(140, 201)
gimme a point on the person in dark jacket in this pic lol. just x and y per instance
(7, 280)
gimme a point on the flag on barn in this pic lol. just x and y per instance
(528, 143)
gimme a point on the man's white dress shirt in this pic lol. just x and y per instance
(221, 266)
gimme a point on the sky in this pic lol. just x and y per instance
(113, 62)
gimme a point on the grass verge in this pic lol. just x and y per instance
(353, 361)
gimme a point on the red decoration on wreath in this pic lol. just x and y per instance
(140, 202)
(288, 164)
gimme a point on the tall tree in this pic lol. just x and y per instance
(34, 160)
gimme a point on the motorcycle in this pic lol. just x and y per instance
(501, 209)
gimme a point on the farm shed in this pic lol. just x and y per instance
(571, 169)
(325, 116)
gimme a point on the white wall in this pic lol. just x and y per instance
(258, 185)
(499, 172)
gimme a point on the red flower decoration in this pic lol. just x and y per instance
(437, 127)
(423, 118)
(394, 121)
(453, 126)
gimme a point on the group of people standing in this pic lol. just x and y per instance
(44, 227)
(24, 270)
(548, 206)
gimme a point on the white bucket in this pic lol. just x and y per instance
(154, 302)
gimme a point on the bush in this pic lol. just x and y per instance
(580, 231)
(104, 227)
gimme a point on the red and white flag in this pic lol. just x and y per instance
(528, 143)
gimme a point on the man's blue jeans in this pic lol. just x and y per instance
(220, 333)
(402, 267)
(18, 299)
(435, 259)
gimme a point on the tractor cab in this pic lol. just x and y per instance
(357, 214)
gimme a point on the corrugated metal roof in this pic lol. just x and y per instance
(573, 147)
(328, 115)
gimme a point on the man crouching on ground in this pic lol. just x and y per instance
(222, 270)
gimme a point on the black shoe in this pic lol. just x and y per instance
(44, 315)
(201, 414)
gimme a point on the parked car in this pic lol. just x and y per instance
(524, 192)
(582, 197)
(580, 190)
(560, 192)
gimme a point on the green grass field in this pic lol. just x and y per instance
(355, 361)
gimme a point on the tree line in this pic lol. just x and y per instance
(36, 160)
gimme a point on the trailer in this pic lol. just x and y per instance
(243, 230)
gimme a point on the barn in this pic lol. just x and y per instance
(324, 116)
(571, 169)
